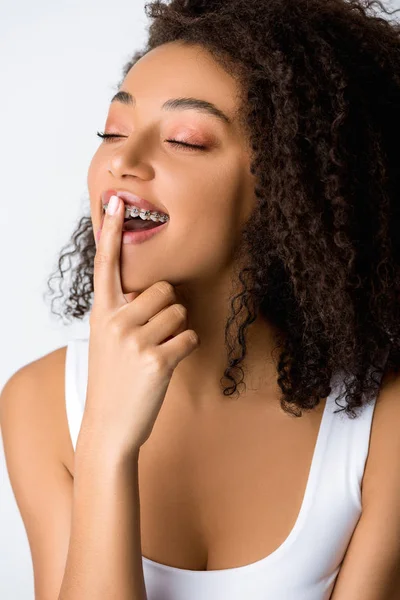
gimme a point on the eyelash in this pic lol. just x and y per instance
(108, 136)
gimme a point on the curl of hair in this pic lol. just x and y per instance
(319, 107)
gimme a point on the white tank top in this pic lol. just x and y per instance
(306, 564)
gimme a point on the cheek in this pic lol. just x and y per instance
(214, 217)
(206, 241)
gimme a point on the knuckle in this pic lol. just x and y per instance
(154, 361)
(100, 259)
(134, 344)
(165, 288)
(193, 337)
(115, 327)
(180, 310)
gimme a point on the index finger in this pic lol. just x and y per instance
(106, 273)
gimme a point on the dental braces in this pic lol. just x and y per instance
(146, 215)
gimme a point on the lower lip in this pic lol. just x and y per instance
(138, 237)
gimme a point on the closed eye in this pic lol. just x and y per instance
(109, 136)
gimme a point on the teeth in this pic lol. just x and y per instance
(146, 215)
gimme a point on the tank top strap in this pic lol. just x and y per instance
(348, 441)
(76, 372)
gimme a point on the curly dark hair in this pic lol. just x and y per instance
(320, 100)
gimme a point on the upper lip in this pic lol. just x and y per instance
(131, 199)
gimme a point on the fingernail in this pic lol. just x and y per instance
(112, 205)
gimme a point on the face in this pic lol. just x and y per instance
(208, 192)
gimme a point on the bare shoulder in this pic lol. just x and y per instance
(35, 395)
(383, 460)
(36, 441)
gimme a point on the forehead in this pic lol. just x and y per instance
(176, 70)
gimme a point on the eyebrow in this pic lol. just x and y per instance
(177, 104)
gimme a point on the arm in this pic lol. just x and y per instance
(30, 414)
(371, 567)
(104, 558)
(100, 558)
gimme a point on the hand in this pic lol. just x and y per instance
(134, 347)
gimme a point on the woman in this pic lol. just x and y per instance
(261, 137)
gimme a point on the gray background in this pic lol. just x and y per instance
(59, 64)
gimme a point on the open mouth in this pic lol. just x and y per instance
(138, 224)
(137, 219)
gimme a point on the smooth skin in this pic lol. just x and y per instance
(208, 196)
(122, 404)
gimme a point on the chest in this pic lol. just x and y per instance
(223, 490)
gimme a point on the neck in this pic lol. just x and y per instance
(197, 377)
